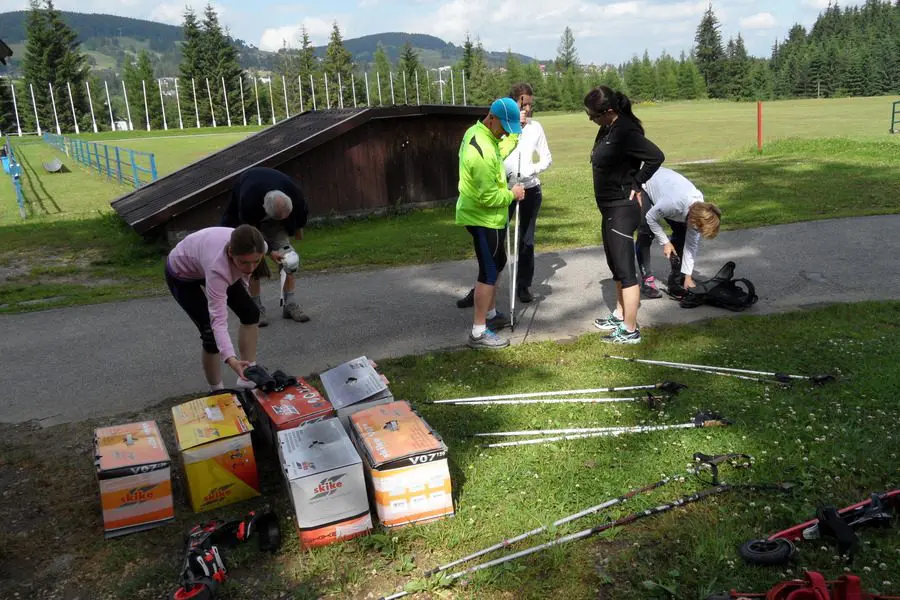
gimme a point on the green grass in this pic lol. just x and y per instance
(834, 442)
(838, 162)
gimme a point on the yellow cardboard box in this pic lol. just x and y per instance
(213, 435)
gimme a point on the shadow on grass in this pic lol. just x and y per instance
(38, 195)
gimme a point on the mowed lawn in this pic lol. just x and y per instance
(821, 159)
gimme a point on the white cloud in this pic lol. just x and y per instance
(817, 4)
(318, 29)
(763, 20)
(168, 13)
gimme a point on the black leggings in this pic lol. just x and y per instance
(619, 225)
(528, 212)
(645, 239)
(490, 252)
(191, 296)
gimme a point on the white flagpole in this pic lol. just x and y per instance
(15, 107)
(34, 105)
(452, 89)
(212, 111)
(112, 119)
(243, 109)
(178, 104)
(196, 107)
(287, 110)
(368, 103)
(405, 92)
(327, 97)
(146, 109)
(225, 95)
(256, 95)
(55, 115)
(391, 78)
(340, 91)
(271, 100)
(441, 84)
(72, 104)
(162, 105)
(300, 90)
(312, 86)
(91, 104)
(417, 88)
(127, 108)
(378, 81)
(353, 87)
(464, 87)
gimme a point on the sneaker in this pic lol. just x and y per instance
(244, 384)
(263, 321)
(610, 323)
(293, 311)
(621, 336)
(498, 322)
(468, 301)
(525, 295)
(488, 340)
(649, 289)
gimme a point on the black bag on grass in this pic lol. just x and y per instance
(722, 290)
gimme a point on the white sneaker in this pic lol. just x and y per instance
(244, 384)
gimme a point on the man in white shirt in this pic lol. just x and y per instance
(520, 152)
(671, 196)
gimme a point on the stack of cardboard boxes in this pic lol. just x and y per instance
(340, 455)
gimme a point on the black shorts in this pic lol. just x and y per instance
(619, 225)
(191, 296)
(490, 252)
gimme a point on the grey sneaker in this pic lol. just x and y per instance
(263, 321)
(609, 323)
(293, 311)
(498, 322)
(488, 340)
(621, 336)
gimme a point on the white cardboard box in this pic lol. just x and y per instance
(353, 386)
(326, 483)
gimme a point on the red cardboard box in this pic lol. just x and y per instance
(294, 406)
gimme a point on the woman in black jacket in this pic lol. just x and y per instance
(622, 160)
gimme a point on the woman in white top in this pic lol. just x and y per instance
(671, 196)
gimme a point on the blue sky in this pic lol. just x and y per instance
(605, 31)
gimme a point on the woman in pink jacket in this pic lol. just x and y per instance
(208, 272)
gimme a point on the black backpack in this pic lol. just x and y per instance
(721, 290)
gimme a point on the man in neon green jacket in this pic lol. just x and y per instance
(483, 207)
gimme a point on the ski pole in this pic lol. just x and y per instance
(781, 377)
(560, 400)
(515, 267)
(696, 369)
(623, 429)
(701, 459)
(700, 420)
(583, 534)
(666, 386)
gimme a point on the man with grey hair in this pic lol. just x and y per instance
(272, 202)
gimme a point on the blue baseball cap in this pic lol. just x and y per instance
(508, 112)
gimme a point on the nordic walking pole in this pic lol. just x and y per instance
(697, 370)
(583, 534)
(515, 264)
(671, 387)
(781, 377)
(558, 400)
(702, 459)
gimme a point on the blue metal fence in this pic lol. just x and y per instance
(127, 166)
(12, 167)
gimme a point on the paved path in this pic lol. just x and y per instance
(69, 364)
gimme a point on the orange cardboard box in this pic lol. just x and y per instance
(294, 406)
(135, 477)
(213, 435)
(406, 464)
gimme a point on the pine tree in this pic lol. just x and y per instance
(191, 68)
(307, 66)
(7, 114)
(338, 61)
(566, 55)
(760, 79)
(35, 69)
(468, 57)
(708, 53)
(138, 76)
(479, 82)
(288, 67)
(691, 85)
(667, 77)
(383, 69)
(219, 60)
(409, 65)
(736, 79)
